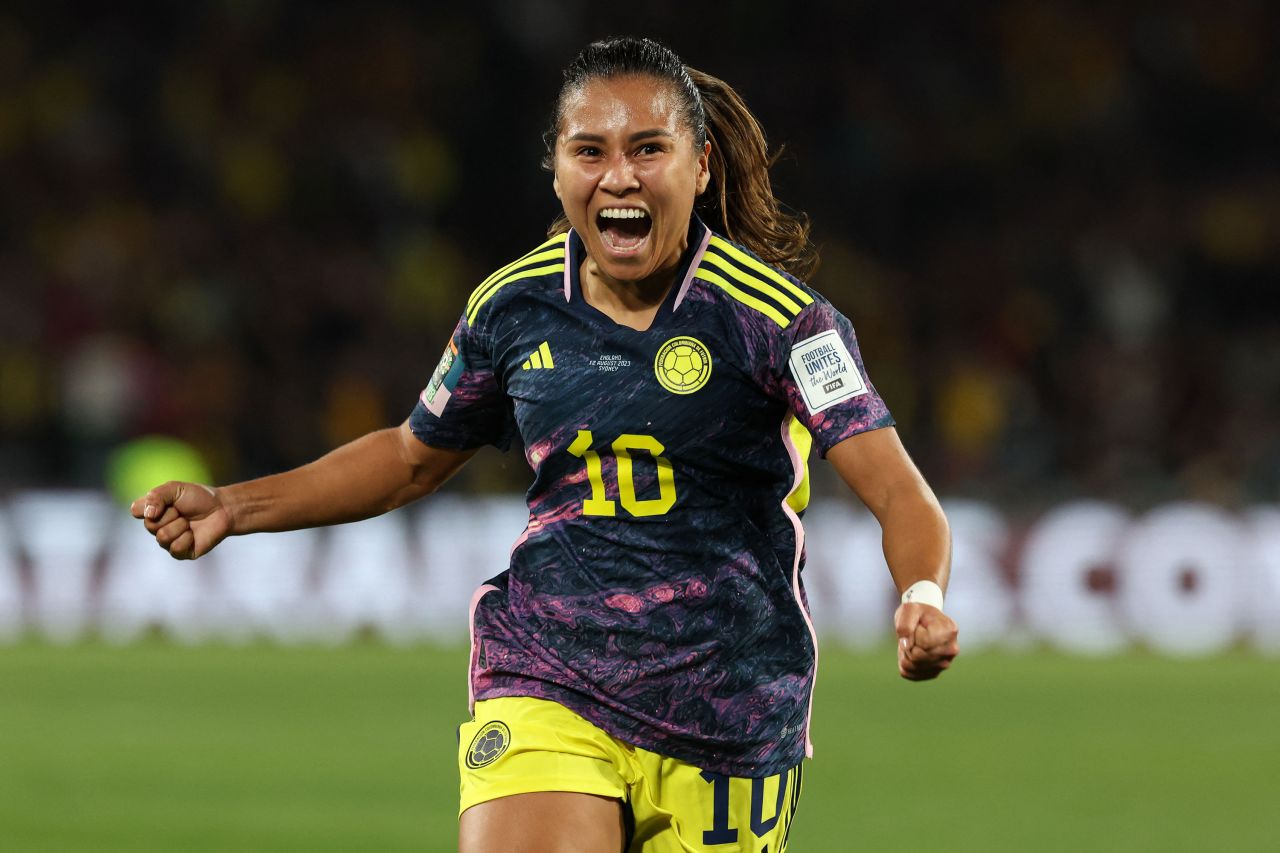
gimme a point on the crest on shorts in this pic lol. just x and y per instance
(488, 744)
(682, 365)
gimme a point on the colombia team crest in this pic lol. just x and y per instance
(488, 744)
(682, 365)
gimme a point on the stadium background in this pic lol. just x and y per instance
(250, 226)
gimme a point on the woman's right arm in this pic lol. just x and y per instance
(367, 477)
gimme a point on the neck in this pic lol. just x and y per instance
(628, 303)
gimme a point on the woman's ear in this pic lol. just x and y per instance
(704, 167)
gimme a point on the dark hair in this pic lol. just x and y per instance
(738, 201)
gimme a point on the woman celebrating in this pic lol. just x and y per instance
(642, 673)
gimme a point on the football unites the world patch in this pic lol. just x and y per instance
(825, 371)
(488, 745)
(682, 365)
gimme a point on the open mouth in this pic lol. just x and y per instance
(623, 229)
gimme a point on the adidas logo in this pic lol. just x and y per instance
(541, 359)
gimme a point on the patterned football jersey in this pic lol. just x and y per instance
(656, 590)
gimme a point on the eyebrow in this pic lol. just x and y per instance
(635, 137)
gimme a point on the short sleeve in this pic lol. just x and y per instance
(464, 405)
(817, 366)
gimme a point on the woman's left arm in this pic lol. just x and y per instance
(916, 541)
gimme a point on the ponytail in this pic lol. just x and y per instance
(738, 201)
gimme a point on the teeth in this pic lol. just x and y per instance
(622, 213)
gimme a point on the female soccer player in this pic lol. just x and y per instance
(642, 672)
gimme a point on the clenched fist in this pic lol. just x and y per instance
(187, 519)
(927, 641)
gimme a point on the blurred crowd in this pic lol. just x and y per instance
(252, 225)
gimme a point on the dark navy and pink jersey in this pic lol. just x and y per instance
(657, 588)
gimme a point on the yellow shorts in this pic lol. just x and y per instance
(521, 745)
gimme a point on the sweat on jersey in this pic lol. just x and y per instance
(656, 590)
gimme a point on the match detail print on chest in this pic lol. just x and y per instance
(571, 375)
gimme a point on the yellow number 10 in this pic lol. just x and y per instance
(598, 503)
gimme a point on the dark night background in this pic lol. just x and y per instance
(252, 225)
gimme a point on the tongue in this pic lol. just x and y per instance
(625, 233)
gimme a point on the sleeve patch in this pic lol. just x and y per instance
(444, 380)
(825, 371)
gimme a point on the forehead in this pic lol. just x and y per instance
(621, 105)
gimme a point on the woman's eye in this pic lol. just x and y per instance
(651, 148)
(588, 151)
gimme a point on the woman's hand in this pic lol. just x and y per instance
(927, 641)
(187, 519)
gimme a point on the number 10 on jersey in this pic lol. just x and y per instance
(622, 447)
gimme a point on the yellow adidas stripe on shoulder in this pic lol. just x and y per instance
(753, 282)
(552, 250)
(771, 274)
(522, 274)
(551, 242)
(744, 297)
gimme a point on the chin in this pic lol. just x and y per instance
(624, 267)
(625, 271)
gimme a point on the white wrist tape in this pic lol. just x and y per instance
(923, 592)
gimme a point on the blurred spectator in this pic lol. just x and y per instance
(251, 226)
